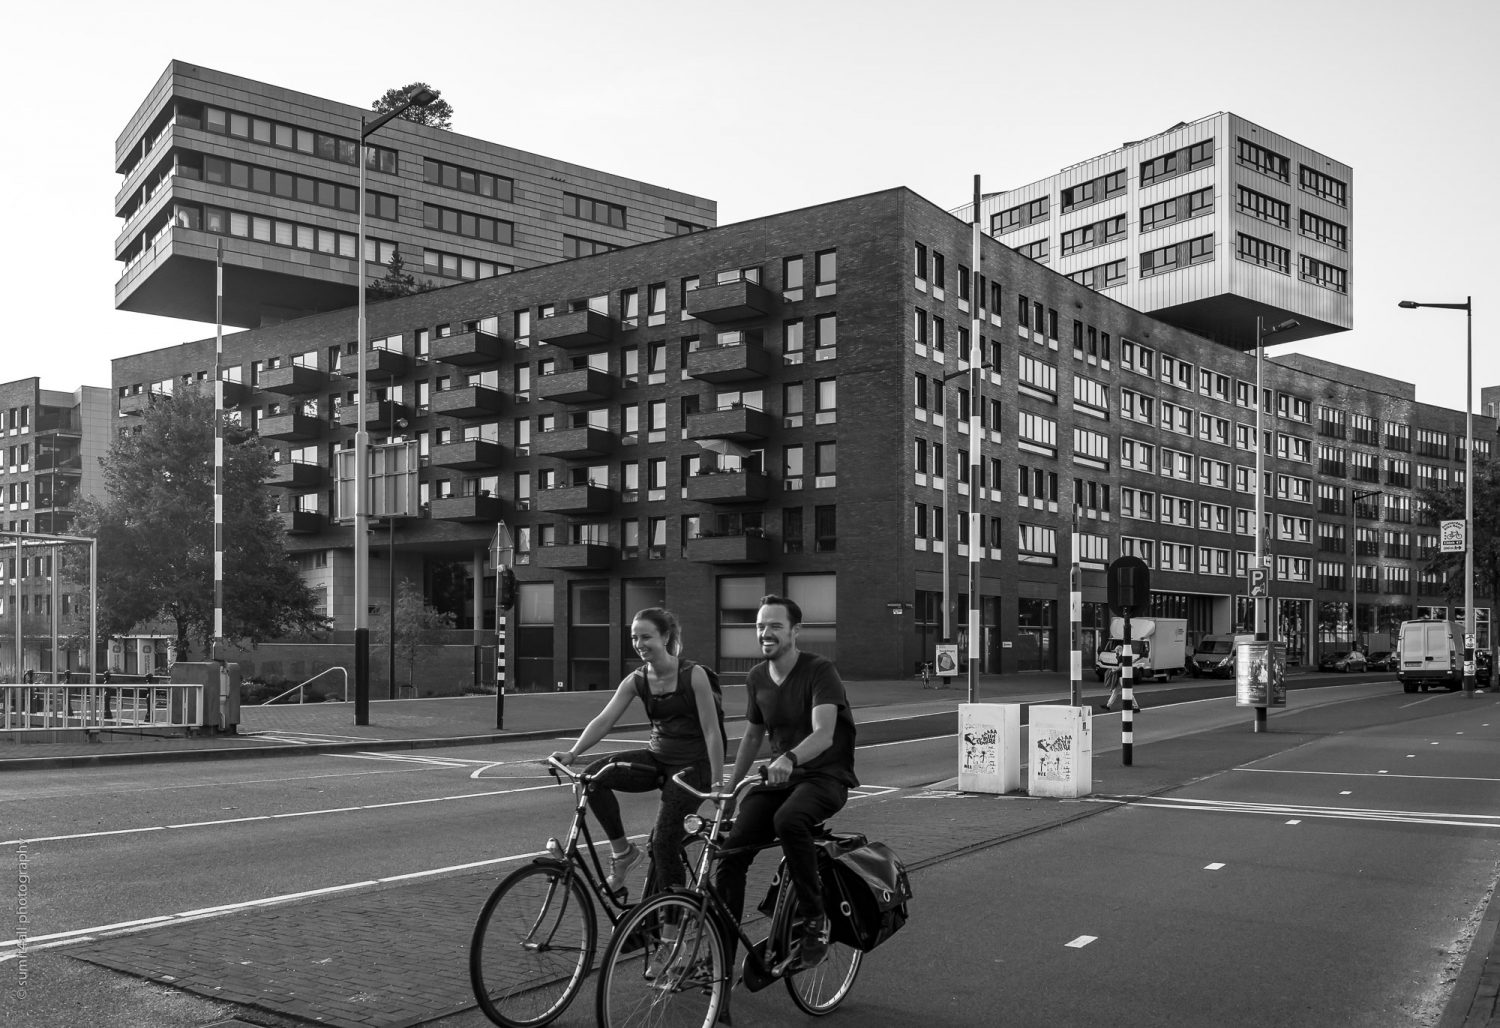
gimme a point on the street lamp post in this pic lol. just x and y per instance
(1261, 332)
(1468, 308)
(1354, 499)
(418, 98)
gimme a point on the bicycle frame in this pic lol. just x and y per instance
(570, 852)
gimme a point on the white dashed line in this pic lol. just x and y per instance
(1082, 941)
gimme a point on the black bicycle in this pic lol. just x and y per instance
(537, 934)
(667, 963)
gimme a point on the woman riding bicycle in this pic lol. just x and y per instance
(685, 734)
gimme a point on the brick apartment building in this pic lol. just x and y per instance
(761, 407)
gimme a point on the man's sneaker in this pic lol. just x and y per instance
(619, 867)
(815, 935)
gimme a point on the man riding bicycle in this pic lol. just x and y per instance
(799, 699)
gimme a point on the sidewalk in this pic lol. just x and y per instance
(447, 721)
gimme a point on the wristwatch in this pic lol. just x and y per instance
(792, 756)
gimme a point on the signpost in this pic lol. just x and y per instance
(501, 552)
(1129, 589)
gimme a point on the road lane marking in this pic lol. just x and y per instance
(1363, 774)
(1082, 941)
(1294, 821)
(1418, 817)
(1215, 866)
(10, 949)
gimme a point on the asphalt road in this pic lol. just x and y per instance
(1330, 884)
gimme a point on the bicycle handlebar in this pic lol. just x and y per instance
(719, 798)
(557, 765)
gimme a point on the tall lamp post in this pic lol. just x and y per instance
(1468, 308)
(1354, 499)
(1261, 332)
(418, 98)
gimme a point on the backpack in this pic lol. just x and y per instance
(685, 679)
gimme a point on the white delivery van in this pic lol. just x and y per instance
(1159, 645)
(1214, 654)
(1429, 652)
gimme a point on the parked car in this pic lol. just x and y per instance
(1381, 660)
(1351, 660)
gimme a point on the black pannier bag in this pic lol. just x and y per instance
(865, 888)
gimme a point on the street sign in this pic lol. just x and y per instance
(1256, 582)
(1453, 533)
(1129, 585)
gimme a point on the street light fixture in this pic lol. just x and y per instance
(1261, 332)
(1468, 308)
(419, 98)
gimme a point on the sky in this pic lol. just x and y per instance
(776, 105)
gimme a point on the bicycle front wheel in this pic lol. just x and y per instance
(665, 966)
(819, 989)
(532, 946)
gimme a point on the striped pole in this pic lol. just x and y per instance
(1127, 697)
(1075, 618)
(976, 405)
(213, 645)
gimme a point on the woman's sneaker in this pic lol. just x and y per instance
(619, 867)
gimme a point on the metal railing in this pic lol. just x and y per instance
(36, 708)
(299, 687)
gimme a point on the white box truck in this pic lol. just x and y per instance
(1159, 644)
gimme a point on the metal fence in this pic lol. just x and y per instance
(36, 708)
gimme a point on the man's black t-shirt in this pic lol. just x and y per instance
(786, 712)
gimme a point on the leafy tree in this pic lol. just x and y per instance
(156, 534)
(398, 282)
(1448, 505)
(414, 616)
(438, 114)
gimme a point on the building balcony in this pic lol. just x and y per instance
(296, 475)
(136, 403)
(301, 522)
(235, 394)
(737, 422)
(66, 462)
(380, 415)
(383, 364)
(576, 557)
(751, 547)
(468, 455)
(467, 402)
(573, 443)
(743, 358)
(472, 508)
(292, 380)
(731, 301)
(467, 348)
(581, 385)
(291, 427)
(728, 487)
(575, 499)
(585, 328)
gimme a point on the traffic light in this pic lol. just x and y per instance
(507, 589)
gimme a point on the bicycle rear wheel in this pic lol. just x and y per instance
(532, 946)
(819, 989)
(674, 974)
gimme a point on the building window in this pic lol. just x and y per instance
(1324, 231)
(825, 529)
(791, 278)
(467, 180)
(1267, 255)
(464, 223)
(1267, 162)
(1321, 273)
(1326, 186)
(1265, 208)
(575, 206)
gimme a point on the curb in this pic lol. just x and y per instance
(1476, 990)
